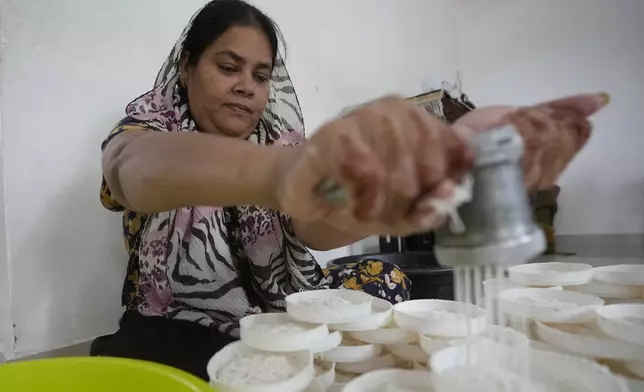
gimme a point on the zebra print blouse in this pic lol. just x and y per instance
(212, 265)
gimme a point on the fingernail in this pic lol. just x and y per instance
(605, 97)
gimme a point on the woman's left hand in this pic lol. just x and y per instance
(553, 132)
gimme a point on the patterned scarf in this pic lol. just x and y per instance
(214, 265)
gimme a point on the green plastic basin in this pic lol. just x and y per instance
(96, 374)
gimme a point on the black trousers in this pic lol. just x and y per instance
(181, 344)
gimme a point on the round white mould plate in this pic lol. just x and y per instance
(390, 335)
(382, 362)
(332, 341)
(380, 316)
(328, 306)
(391, 380)
(609, 290)
(279, 332)
(440, 317)
(486, 358)
(587, 340)
(408, 352)
(551, 274)
(557, 306)
(351, 351)
(324, 371)
(241, 368)
(624, 322)
(492, 286)
(315, 386)
(504, 335)
(621, 274)
(434, 344)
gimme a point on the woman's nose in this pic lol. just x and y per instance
(245, 85)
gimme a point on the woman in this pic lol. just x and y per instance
(221, 200)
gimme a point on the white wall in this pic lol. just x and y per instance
(6, 328)
(525, 51)
(69, 67)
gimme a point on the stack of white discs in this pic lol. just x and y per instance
(343, 340)
(552, 274)
(576, 320)
(439, 323)
(483, 366)
(331, 337)
(296, 351)
(615, 283)
(468, 354)
(533, 300)
(276, 351)
(489, 366)
(625, 322)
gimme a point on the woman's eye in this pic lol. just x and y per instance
(261, 78)
(227, 69)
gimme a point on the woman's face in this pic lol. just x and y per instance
(229, 86)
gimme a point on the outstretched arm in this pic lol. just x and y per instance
(149, 171)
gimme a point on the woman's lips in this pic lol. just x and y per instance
(239, 108)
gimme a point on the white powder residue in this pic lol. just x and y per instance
(285, 328)
(335, 302)
(261, 368)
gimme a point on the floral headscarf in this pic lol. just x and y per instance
(214, 265)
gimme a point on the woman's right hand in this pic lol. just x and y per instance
(390, 157)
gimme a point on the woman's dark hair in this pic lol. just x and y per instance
(220, 15)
